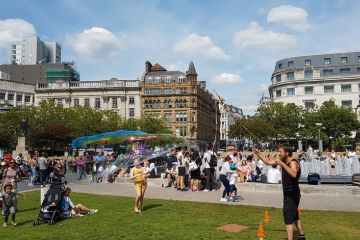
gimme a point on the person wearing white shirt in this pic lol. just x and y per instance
(209, 171)
(274, 175)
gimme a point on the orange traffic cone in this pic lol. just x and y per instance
(267, 217)
(299, 211)
(261, 233)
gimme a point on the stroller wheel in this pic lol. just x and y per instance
(51, 222)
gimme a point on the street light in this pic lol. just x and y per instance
(320, 142)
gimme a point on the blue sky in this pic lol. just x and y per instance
(234, 44)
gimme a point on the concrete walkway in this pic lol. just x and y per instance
(263, 199)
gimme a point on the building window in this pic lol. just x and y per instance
(359, 87)
(168, 91)
(181, 132)
(152, 91)
(181, 91)
(290, 91)
(308, 62)
(181, 117)
(27, 98)
(346, 104)
(280, 65)
(10, 97)
(193, 117)
(358, 70)
(344, 71)
(87, 102)
(181, 79)
(290, 76)
(19, 97)
(59, 101)
(180, 103)
(168, 117)
(168, 80)
(167, 104)
(327, 61)
(344, 59)
(97, 103)
(309, 90)
(131, 100)
(328, 72)
(278, 78)
(308, 73)
(114, 101)
(328, 88)
(131, 112)
(76, 102)
(309, 105)
(2, 96)
(346, 88)
(291, 64)
(278, 93)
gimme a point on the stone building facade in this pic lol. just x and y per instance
(190, 110)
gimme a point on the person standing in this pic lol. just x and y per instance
(291, 172)
(209, 169)
(181, 166)
(224, 174)
(138, 175)
(33, 164)
(194, 167)
(43, 166)
(80, 165)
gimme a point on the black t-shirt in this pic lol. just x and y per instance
(289, 183)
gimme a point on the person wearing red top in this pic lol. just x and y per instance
(80, 165)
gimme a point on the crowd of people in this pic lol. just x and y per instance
(194, 171)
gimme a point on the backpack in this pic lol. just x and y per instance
(213, 161)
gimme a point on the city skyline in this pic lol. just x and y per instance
(232, 42)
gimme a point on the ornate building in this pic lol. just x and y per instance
(121, 96)
(189, 109)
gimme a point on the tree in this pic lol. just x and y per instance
(255, 128)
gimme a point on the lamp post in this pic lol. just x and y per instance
(320, 141)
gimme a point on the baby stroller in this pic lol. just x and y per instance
(51, 207)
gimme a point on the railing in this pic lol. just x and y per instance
(88, 84)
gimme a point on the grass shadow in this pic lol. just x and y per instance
(28, 209)
(148, 207)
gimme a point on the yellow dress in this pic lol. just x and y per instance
(139, 180)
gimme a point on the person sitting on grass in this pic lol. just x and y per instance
(9, 204)
(71, 210)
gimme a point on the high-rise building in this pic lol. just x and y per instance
(32, 50)
(191, 111)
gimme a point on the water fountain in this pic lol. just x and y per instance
(345, 167)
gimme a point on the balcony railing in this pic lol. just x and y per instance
(88, 84)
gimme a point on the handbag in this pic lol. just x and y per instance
(193, 166)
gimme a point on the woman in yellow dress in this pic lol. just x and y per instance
(139, 175)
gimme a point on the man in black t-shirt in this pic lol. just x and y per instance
(291, 172)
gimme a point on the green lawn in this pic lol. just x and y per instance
(172, 220)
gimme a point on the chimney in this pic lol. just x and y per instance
(148, 67)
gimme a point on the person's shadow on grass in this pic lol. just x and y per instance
(148, 207)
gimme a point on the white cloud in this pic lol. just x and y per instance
(14, 30)
(202, 46)
(227, 78)
(254, 36)
(292, 17)
(95, 44)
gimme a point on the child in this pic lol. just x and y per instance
(9, 204)
(232, 180)
(146, 169)
(138, 175)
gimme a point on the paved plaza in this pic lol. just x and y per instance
(249, 197)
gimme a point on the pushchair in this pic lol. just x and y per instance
(51, 207)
